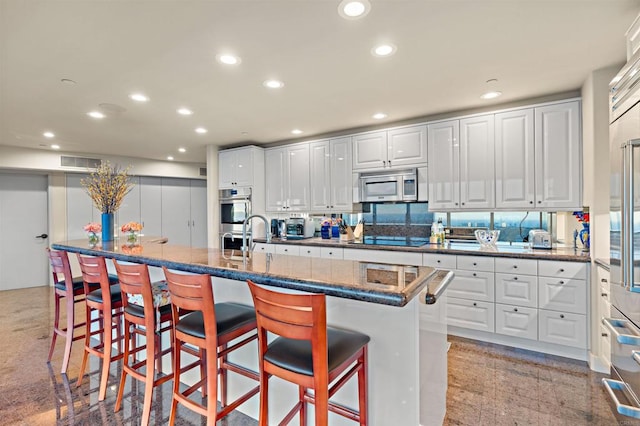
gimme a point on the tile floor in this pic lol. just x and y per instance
(488, 384)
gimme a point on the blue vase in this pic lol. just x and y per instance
(335, 231)
(584, 235)
(107, 227)
(325, 232)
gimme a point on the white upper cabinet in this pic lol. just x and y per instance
(443, 172)
(236, 167)
(403, 147)
(477, 179)
(557, 156)
(331, 175)
(515, 160)
(287, 178)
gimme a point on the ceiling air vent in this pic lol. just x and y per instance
(203, 171)
(80, 162)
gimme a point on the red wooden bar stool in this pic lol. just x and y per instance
(307, 353)
(211, 327)
(146, 307)
(107, 301)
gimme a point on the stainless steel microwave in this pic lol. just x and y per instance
(389, 185)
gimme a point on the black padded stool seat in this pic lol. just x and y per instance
(138, 311)
(295, 355)
(96, 295)
(77, 283)
(229, 317)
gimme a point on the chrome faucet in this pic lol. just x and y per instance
(248, 248)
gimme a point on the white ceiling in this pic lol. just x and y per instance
(447, 49)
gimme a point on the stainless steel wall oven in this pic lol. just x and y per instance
(235, 207)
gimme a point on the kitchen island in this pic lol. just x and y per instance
(407, 353)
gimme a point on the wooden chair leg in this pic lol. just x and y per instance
(56, 324)
(322, 404)
(106, 358)
(223, 378)
(151, 351)
(303, 406)
(87, 341)
(125, 361)
(177, 348)
(69, 333)
(203, 370)
(212, 388)
(263, 418)
(362, 387)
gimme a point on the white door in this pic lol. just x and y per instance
(176, 214)
(320, 172)
(370, 151)
(23, 219)
(199, 213)
(514, 160)
(151, 206)
(477, 181)
(341, 175)
(407, 146)
(443, 171)
(557, 154)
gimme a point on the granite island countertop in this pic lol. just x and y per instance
(340, 278)
(567, 254)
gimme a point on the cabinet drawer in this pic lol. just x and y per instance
(435, 260)
(517, 321)
(516, 266)
(605, 343)
(561, 294)
(563, 328)
(475, 263)
(520, 290)
(472, 285)
(476, 315)
(332, 252)
(378, 256)
(552, 268)
(307, 251)
(265, 248)
(287, 249)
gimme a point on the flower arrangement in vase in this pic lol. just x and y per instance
(131, 229)
(92, 229)
(107, 186)
(583, 218)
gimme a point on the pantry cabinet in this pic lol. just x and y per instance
(331, 187)
(394, 148)
(184, 211)
(240, 166)
(462, 178)
(538, 158)
(287, 178)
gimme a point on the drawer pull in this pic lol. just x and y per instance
(561, 282)
(475, 264)
(561, 315)
(604, 294)
(515, 278)
(515, 309)
(330, 253)
(437, 261)
(631, 338)
(625, 410)
(605, 334)
(515, 266)
(475, 275)
(603, 280)
(561, 270)
(475, 304)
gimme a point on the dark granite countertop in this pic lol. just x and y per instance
(502, 250)
(340, 278)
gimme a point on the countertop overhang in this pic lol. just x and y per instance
(339, 278)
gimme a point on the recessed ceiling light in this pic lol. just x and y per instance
(228, 59)
(273, 84)
(352, 9)
(201, 130)
(184, 111)
(491, 92)
(379, 115)
(296, 131)
(384, 50)
(139, 97)
(55, 146)
(183, 150)
(170, 158)
(48, 135)
(95, 114)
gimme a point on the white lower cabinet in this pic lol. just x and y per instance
(561, 294)
(517, 321)
(562, 328)
(332, 252)
(515, 289)
(471, 314)
(308, 251)
(472, 285)
(265, 248)
(291, 250)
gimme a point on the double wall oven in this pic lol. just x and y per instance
(235, 207)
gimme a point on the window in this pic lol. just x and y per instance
(396, 214)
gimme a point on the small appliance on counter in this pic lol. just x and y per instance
(299, 228)
(540, 239)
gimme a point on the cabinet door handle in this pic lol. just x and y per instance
(604, 294)
(462, 204)
(384, 163)
(515, 278)
(561, 270)
(475, 304)
(475, 264)
(515, 266)
(530, 202)
(561, 315)
(561, 282)
(475, 275)
(515, 309)
(605, 335)
(437, 261)
(539, 202)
